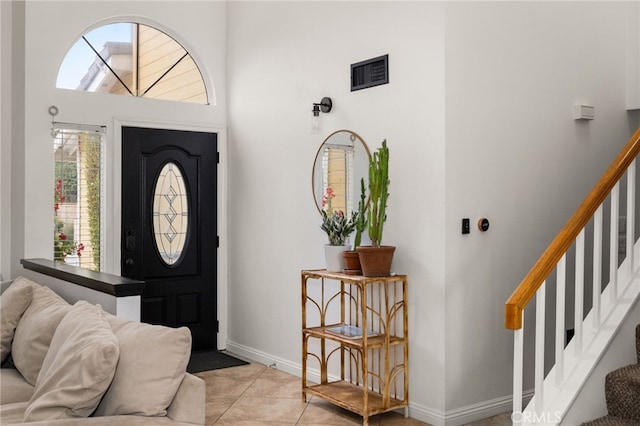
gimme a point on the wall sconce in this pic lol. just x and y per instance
(324, 106)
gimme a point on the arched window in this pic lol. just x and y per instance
(135, 60)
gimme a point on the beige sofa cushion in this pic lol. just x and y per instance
(13, 302)
(35, 331)
(13, 387)
(191, 399)
(12, 414)
(78, 368)
(153, 361)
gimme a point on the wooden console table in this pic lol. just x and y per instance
(366, 373)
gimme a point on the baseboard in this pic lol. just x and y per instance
(483, 410)
(264, 358)
(432, 416)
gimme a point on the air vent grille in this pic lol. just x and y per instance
(369, 73)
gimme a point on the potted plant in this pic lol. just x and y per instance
(351, 257)
(376, 259)
(338, 228)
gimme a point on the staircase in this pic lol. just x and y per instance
(622, 392)
(593, 270)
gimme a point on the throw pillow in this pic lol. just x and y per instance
(78, 368)
(13, 302)
(35, 331)
(153, 361)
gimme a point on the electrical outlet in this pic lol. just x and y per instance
(465, 226)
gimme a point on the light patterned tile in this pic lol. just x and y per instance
(276, 384)
(499, 420)
(249, 371)
(396, 419)
(216, 406)
(280, 410)
(231, 381)
(227, 386)
(320, 412)
(249, 423)
(255, 395)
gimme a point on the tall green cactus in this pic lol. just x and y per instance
(378, 193)
(361, 221)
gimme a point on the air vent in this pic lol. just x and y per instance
(369, 73)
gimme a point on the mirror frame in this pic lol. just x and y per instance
(355, 138)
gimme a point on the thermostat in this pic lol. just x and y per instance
(483, 224)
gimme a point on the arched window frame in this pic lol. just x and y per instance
(205, 78)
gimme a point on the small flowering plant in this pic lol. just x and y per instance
(335, 223)
(62, 244)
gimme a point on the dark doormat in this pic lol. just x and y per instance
(211, 360)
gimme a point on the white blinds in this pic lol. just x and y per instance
(78, 194)
(338, 175)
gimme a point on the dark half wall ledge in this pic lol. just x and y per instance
(114, 285)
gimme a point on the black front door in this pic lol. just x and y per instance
(169, 227)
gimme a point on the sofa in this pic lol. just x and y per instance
(69, 364)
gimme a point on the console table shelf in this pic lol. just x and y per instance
(369, 371)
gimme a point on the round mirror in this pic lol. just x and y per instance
(341, 162)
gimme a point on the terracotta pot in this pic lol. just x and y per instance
(376, 261)
(351, 263)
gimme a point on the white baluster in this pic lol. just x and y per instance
(579, 293)
(597, 266)
(561, 278)
(631, 214)
(518, 361)
(539, 350)
(613, 238)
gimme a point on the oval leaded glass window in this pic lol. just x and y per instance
(170, 213)
(132, 59)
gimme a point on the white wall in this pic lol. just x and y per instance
(633, 54)
(477, 116)
(199, 26)
(510, 73)
(5, 146)
(283, 56)
(11, 129)
(516, 156)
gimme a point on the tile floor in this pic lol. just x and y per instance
(256, 395)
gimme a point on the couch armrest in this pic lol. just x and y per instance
(13, 387)
(188, 406)
(130, 420)
(186, 409)
(12, 414)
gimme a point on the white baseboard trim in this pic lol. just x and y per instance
(483, 410)
(264, 358)
(455, 417)
(464, 415)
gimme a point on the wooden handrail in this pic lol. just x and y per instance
(561, 243)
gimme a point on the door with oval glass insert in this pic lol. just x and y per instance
(169, 227)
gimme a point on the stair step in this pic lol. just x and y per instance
(611, 421)
(622, 392)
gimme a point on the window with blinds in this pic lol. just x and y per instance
(78, 195)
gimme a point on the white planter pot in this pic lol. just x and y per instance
(333, 257)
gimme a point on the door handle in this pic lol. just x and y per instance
(129, 262)
(130, 240)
